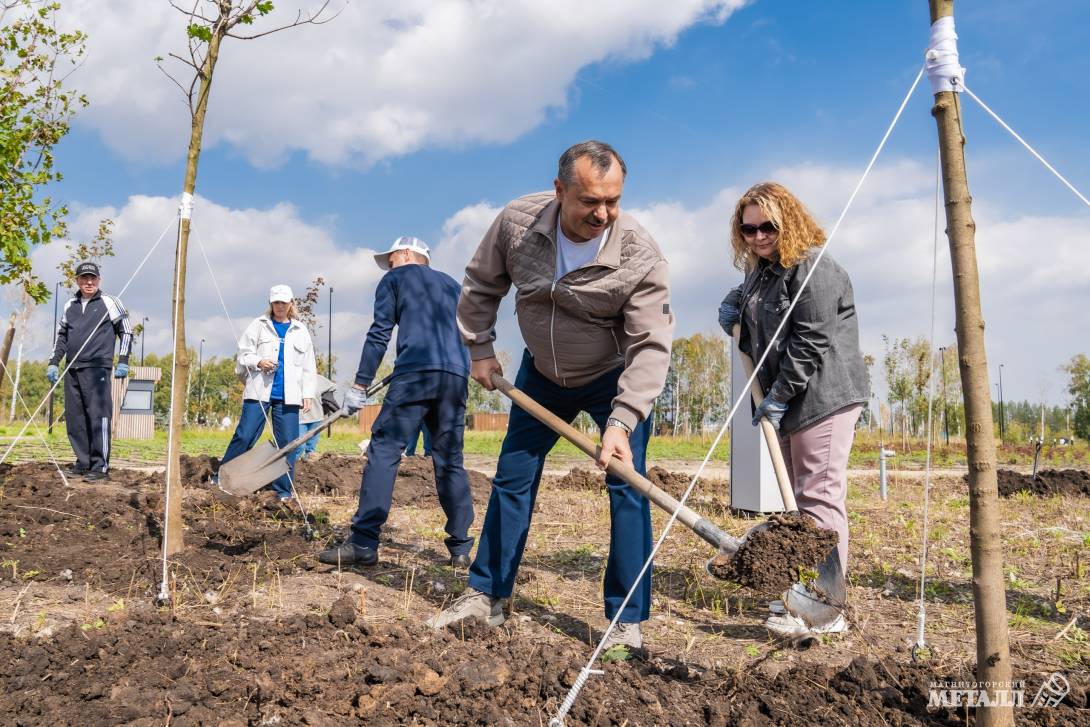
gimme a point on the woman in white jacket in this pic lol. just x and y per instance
(276, 360)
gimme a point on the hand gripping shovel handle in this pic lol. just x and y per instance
(690, 519)
(771, 436)
(293, 444)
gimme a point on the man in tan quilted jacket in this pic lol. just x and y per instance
(593, 305)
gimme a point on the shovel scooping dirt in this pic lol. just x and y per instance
(772, 558)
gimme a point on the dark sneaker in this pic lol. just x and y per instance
(75, 469)
(95, 476)
(348, 554)
(471, 604)
(461, 560)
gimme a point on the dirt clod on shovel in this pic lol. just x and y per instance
(771, 560)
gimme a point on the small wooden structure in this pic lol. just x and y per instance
(368, 415)
(132, 398)
(488, 422)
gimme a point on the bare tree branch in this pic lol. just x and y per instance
(191, 13)
(314, 18)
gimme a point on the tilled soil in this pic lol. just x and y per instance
(337, 669)
(333, 474)
(235, 665)
(771, 559)
(108, 535)
(1074, 483)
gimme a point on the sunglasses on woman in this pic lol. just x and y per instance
(749, 230)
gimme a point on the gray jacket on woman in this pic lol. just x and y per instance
(815, 365)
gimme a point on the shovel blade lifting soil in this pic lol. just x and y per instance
(250, 471)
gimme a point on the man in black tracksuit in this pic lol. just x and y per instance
(85, 338)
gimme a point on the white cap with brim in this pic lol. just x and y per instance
(403, 243)
(280, 294)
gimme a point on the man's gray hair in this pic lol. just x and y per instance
(600, 153)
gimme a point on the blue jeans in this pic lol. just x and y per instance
(410, 450)
(251, 423)
(438, 399)
(311, 445)
(514, 490)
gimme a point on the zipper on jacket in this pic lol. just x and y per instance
(552, 337)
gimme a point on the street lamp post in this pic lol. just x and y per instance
(1002, 413)
(200, 381)
(56, 297)
(143, 332)
(945, 411)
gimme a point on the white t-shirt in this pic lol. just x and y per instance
(574, 255)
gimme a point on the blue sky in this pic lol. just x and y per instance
(700, 106)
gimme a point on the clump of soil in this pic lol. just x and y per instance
(581, 479)
(1075, 483)
(198, 470)
(329, 474)
(770, 559)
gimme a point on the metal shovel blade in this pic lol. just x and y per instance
(249, 472)
(826, 599)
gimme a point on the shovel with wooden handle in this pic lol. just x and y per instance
(252, 470)
(823, 603)
(703, 527)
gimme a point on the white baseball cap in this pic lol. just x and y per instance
(403, 243)
(280, 294)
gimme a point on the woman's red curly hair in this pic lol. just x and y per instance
(799, 233)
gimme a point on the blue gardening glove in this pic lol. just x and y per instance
(771, 410)
(728, 315)
(354, 399)
(52, 373)
(121, 371)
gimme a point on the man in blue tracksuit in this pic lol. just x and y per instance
(429, 385)
(85, 338)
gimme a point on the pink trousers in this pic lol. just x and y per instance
(817, 460)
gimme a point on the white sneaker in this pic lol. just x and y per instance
(624, 634)
(471, 604)
(776, 608)
(799, 633)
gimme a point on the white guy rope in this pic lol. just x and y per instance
(234, 332)
(921, 617)
(573, 693)
(70, 359)
(16, 394)
(1024, 143)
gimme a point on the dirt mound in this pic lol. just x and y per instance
(198, 470)
(771, 559)
(580, 479)
(107, 535)
(330, 474)
(416, 483)
(1074, 483)
(338, 669)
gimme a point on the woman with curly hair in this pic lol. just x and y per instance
(814, 376)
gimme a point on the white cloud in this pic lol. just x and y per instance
(385, 78)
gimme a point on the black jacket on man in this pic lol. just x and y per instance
(95, 325)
